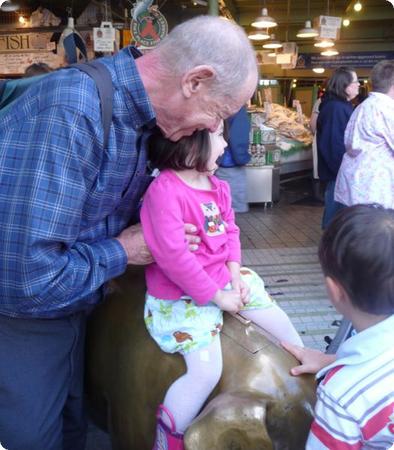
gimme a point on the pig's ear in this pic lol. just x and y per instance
(230, 421)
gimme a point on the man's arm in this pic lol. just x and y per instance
(46, 176)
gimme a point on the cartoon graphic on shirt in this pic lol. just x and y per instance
(213, 225)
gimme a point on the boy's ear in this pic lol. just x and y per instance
(337, 293)
(196, 78)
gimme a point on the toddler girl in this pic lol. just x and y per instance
(187, 291)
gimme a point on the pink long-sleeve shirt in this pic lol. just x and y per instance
(168, 204)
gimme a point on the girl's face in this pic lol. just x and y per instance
(218, 144)
(353, 88)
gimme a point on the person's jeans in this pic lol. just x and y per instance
(41, 383)
(331, 207)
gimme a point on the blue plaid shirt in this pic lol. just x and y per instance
(63, 198)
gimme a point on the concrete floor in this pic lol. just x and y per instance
(280, 244)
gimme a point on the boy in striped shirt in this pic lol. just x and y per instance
(355, 400)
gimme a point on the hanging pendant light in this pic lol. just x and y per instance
(273, 43)
(9, 6)
(330, 52)
(264, 21)
(308, 31)
(324, 43)
(258, 35)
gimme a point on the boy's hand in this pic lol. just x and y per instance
(191, 237)
(311, 360)
(229, 301)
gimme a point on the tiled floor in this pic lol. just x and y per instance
(280, 244)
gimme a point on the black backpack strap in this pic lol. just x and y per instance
(103, 80)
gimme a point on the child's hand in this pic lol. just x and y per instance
(242, 288)
(229, 301)
(192, 239)
(311, 360)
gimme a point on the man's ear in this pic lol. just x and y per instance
(196, 78)
(337, 293)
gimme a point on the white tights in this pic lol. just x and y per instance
(188, 393)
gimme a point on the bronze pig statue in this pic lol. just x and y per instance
(257, 405)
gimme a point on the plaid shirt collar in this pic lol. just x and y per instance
(137, 100)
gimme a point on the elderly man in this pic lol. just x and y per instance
(366, 174)
(66, 206)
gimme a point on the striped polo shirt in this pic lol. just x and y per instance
(355, 401)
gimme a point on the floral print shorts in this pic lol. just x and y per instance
(183, 326)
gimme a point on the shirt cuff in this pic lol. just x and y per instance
(112, 257)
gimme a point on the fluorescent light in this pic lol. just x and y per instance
(324, 43)
(319, 69)
(258, 36)
(308, 31)
(330, 52)
(264, 21)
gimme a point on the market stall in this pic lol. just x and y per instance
(280, 144)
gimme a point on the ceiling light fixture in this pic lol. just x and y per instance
(324, 43)
(9, 6)
(258, 35)
(264, 21)
(346, 22)
(330, 52)
(358, 6)
(319, 69)
(308, 31)
(273, 43)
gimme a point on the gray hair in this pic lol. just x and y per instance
(213, 41)
(382, 76)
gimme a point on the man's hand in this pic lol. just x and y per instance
(133, 242)
(191, 238)
(311, 360)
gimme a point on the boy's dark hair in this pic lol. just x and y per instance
(190, 152)
(339, 81)
(357, 250)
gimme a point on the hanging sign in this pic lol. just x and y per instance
(25, 42)
(16, 63)
(104, 38)
(354, 59)
(328, 26)
(149, 27)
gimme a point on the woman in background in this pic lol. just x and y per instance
(334, 113)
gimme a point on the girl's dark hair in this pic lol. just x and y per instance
(339, 81)
(357, 250)
(190, 152)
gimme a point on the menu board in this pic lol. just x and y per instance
(16, 63)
